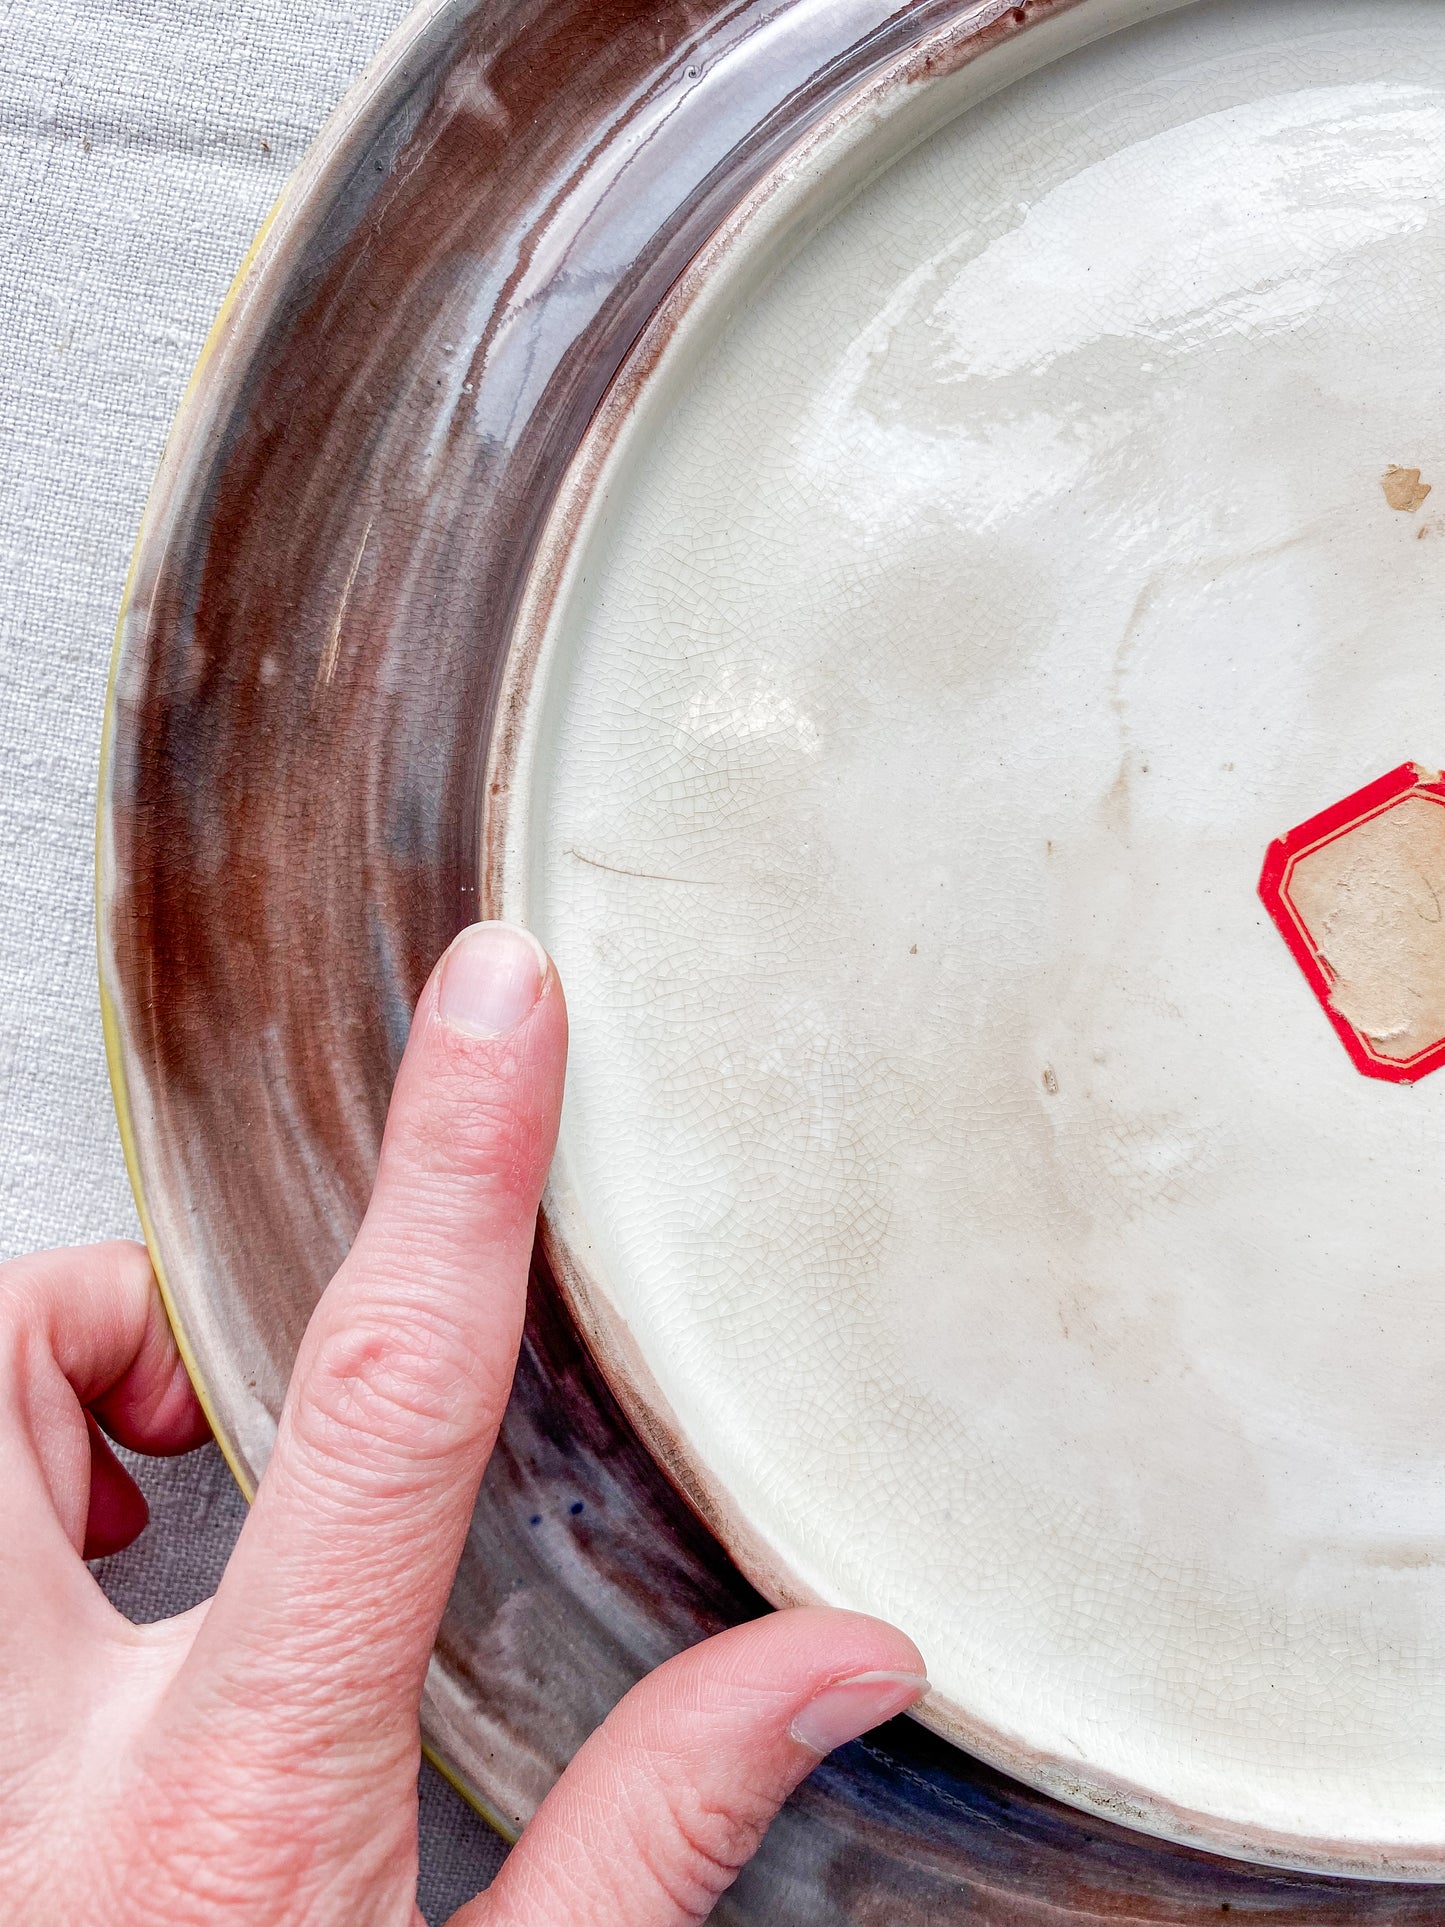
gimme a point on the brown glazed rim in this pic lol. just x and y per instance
(777, 207)
(201, 401)
(217, 369)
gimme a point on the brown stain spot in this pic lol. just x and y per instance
(962, 40)
(1404, 490)
(914, 951)
(1404, 1558)
(1050, 1081)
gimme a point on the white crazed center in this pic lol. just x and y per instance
(984, 1189)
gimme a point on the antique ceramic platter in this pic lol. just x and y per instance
(877, 531)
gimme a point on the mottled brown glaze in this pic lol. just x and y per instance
(309, 658)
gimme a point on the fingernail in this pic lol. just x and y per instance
(491, 979)
(853, 1706)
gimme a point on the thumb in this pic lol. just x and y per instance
(672, 1795)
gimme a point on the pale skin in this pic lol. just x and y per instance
(253, 1763)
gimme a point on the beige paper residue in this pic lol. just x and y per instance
(1374, 903)
(1404, 490)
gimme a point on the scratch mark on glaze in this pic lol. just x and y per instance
(645, 876)
(332, 651)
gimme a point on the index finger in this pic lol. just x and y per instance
(333, 1596)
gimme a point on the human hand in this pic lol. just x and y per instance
(253, 1763)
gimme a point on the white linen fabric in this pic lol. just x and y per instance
(141, 144)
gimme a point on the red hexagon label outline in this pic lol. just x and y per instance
(1279, 864)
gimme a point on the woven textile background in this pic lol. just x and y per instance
(141, 144)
